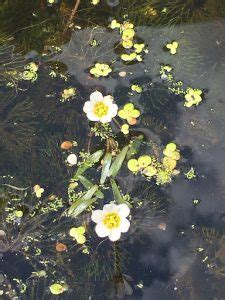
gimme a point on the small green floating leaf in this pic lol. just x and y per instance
(116, 165)
(88, 185)
(105, 168)
(117, 195)
(135, 145)
(93, 158)
(56, 289)
(81, 204)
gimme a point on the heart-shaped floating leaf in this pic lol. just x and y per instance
(116, 165)
(117, 195)
(88, 185)
(93, 158)
(105, 167)
(81, 204)
(135, 145)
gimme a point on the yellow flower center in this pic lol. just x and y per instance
(100, 109)
(112, 220)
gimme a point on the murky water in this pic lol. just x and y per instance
(60, 162)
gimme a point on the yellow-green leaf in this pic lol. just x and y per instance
(116, 165)
(88, 185)
(105, 168)
(117, 195)
(81, 204)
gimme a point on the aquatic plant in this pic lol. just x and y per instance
(156, 12)
(11, 65)
(88, 47)
(25, 234)
(188, 11)
(115, 180)
(111, 221)
(100, 70)
(100, 108)
(129, 113)
(132, 50)
(17, 128)
(24, 20)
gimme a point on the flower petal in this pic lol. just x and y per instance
(87, 106)
(92, 117)
(114, 110)
(123, 210)
(109, 208)
(97, 216)
(106, 119)
(114, 235)
(102, 230)
(108, 100)
(96, 96)
(124, 225)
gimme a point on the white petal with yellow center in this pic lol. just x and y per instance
(102, 230)
(109, 208)
(97, 216)
(115, 235)
(123, 210)
(100, 108)
(96, 96)
(124, 225)
(111, 221)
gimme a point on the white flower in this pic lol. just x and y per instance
(111, 221)
(100, 108)
(72, 159)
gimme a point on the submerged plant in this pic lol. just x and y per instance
(11, 65)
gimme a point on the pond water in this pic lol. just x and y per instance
(112, 121)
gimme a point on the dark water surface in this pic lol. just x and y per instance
(175, 246)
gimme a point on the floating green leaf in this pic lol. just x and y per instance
(81, 204)
(93, 158)
(135, 145)
(88, 185)
(117, 195)
(116, 165)
(105, 168)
